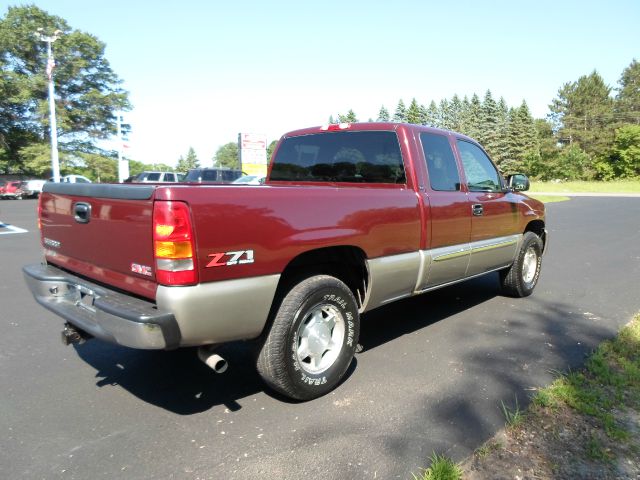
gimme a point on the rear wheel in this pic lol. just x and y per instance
(312, 340)
(521, 278)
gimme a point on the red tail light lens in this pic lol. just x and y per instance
(173, 244)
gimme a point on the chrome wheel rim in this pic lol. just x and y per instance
(319, 338)
(529, 265)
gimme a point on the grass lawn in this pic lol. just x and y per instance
(618, 186)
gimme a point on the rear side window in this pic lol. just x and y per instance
(230, 175)
(366, 157)
(441, 164)
(169, 177)
(210, 175)
(153, 177)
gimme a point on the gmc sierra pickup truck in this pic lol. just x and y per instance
(352, 217)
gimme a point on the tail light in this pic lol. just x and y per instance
(173, 244)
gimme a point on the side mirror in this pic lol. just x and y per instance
(518, 182)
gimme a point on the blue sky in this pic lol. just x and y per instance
(199, 72)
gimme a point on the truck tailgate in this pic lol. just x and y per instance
(101, 231)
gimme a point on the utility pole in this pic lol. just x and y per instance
(49, 39)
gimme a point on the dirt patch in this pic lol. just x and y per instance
(559, 444)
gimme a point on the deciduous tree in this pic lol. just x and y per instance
(88, 92)
(228, 156)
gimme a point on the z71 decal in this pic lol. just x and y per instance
(228, 259)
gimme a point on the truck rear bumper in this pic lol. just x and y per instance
(106, 314)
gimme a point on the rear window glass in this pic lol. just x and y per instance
(367, 157)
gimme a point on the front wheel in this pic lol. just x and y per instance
(521, 278)
(312, 340)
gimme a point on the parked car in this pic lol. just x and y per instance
(212, 175)
(356, 216)
(73, 179)
(250, 180)
(32, 188)
(155, 177)
(12, 190)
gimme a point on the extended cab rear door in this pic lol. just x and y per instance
(449, 219)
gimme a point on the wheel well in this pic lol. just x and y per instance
(346, 263)
(537, 227)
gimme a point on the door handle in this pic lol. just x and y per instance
(477, 209)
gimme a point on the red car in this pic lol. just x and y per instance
(11, 190)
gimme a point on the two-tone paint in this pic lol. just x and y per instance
(412, 239)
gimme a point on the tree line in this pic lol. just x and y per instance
(588, 135)
(592, 132)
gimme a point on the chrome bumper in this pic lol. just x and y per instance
(105, 314)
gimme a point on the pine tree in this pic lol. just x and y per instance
(188, 163)
(383, 114)
(465, 117)
(455, 107)
(582, 114)
(350, 117)
(522, 140)
(413, 113)
(400, 114)
(433, 115)
(517, 143)
(628, 99)
(489, 135)
(446, 114)
(424, 115)
(474, 118)
(502, 151)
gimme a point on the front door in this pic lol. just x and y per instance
(494, 209)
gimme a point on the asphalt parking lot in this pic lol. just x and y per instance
(431, 375)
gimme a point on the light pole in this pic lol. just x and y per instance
(49, 39)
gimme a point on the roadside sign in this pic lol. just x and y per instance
(253, 153)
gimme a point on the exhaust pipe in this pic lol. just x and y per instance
(208, 355)
(71, 335)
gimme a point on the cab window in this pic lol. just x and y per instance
(441, 164)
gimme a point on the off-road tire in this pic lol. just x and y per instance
(306, 315)
(521, 278)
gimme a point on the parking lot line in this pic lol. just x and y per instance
(9, 229)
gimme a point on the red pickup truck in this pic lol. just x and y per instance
(352, 217)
